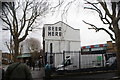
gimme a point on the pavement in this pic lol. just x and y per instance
(38, 74)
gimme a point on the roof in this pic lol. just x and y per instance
(63, 23)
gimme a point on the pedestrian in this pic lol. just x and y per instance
(48, 71)
(47, 66)
(18, 71)
(33, 65)
(28, 63)
(3, 72)
(39, 64)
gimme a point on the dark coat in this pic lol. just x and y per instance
(18, 71)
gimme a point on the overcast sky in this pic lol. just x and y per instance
(74, 19)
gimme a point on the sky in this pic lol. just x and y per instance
(74, 18)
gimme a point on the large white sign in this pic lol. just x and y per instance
(54, 31)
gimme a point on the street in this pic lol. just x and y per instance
(97, 76)
(38, 74)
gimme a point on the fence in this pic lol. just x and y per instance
(71, 60)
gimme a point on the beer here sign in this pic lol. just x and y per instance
(54, 31)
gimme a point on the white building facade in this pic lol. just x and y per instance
(63, 38)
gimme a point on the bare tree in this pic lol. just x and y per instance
(20, 17)
(9, 47)
(109, 15)
(32, 46)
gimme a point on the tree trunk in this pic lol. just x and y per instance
(16, 48)
(118, 54)
(117, 42)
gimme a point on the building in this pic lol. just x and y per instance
(7, 58)
(62, 37)
(111, 49)
(59, 37)
(107, 49)
(94, 49)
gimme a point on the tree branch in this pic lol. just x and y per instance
(104, 19)
(23, 20)
(114, 9)
(6, 7)
(8, 47)
(37, 11)
(104, 6)
(118, 15)
(6, 20)
(98, 29)
(15, 19)
(58, 5)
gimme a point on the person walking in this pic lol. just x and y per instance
(33, 65)
(3, 72)
(18, 71)
(39, 64)
(47, 71)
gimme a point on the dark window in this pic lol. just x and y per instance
(49, 33)
(49, 28)
(56, 33)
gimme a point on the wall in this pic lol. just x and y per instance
(68, 39)
(63, 38)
